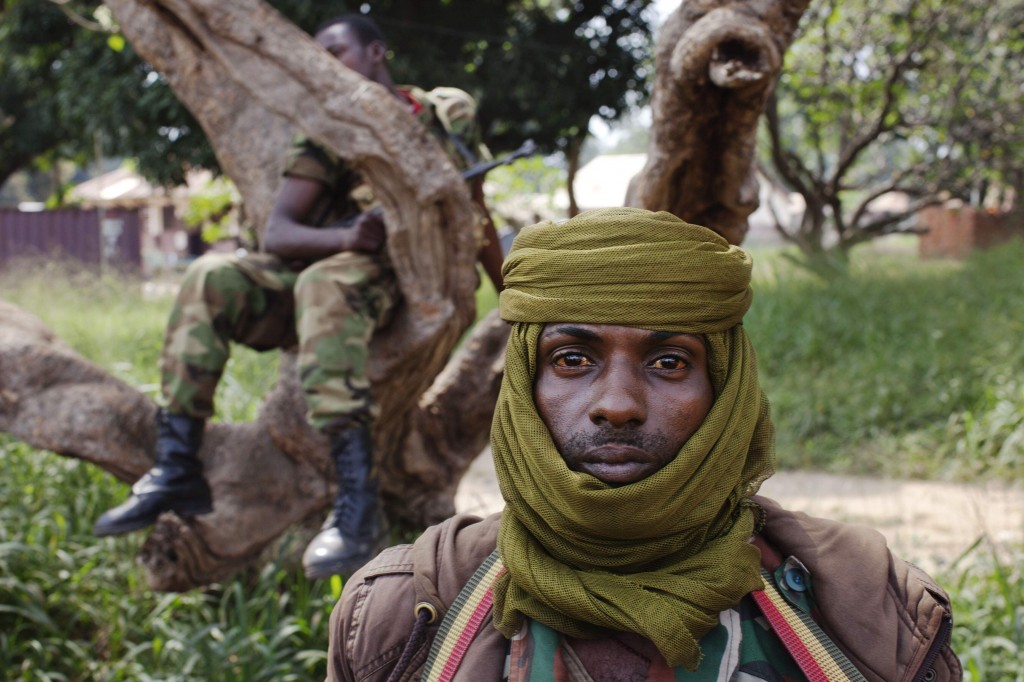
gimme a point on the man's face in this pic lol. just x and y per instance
(620, 401)
(343, 43)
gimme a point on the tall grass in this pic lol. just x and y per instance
(899, 367)
(119, 324)
(75, 607)
(987, 590)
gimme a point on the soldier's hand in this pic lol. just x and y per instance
(368, 232)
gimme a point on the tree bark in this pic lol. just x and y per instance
(715, 66)
(251, 77)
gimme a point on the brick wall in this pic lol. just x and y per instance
(955, 232)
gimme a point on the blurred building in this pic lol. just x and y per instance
(119, 219)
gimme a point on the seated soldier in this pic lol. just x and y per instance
(630, 437)
(324, 284)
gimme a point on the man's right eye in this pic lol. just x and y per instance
(571, 359)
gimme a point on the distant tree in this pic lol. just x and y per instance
(559, 64)
(29, 125)
(923, 97)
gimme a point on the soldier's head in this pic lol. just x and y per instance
(358, 43)
(627, 335)
(630, 431)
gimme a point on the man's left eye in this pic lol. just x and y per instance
(668, 362)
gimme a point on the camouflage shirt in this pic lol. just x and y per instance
(449, 113)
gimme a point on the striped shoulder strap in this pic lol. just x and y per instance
(462, 621)
(816, 654)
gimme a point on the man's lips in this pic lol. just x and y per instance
(616, 453)
(616, 464)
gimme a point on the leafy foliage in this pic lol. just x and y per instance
(68, 90)
(74, 607)
(922, 97)
(523, 193)
(213, 209)
(73, 85)
(540, 69)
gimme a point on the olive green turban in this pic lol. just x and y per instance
(626, 266)
(661, 557)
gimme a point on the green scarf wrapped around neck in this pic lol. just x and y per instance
(661, 557)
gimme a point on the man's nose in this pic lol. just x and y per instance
(620, 399)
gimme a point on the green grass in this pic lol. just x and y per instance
(898, 367)
(75, 607)
(119, 324)
(987, 590)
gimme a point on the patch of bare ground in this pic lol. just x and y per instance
(927, 522)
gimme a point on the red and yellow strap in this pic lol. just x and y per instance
(816, 654)
(462, 621)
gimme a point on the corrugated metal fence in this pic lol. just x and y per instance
(101, 238)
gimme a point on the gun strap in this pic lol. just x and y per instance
(816, 654)
(462, 622)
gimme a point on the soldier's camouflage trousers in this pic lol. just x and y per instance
(330, 309)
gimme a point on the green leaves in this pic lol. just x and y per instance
(72, 607)
(923, 95)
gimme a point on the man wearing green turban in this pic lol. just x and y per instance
(630, 438)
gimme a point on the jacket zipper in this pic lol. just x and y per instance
(941, 640)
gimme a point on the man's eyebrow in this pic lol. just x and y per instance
(661, 336)
(657, 337)
(569, 330)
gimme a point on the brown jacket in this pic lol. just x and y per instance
(888, 616)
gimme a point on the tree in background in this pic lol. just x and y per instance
(921, 97)
(73, 89)
(540, 70)
(76, 89)
(250, 77)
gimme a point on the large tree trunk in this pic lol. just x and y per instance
(251, 77)
(716, 63)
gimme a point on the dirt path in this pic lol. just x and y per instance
(926, 522)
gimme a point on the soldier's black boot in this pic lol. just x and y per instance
(175, 483)
(355, 530)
